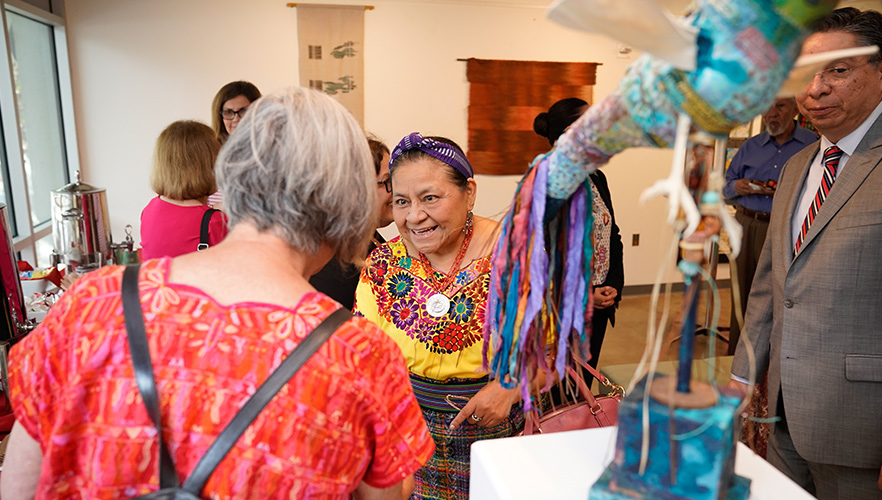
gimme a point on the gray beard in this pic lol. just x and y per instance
(775, 132)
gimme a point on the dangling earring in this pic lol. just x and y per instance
(468, 224)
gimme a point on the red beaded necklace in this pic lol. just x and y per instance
(443, 284)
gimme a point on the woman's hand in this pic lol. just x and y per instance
(604, 296)
(489, 407)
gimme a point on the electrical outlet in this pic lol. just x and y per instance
(635, 240)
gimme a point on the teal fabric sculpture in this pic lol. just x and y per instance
(717, 67)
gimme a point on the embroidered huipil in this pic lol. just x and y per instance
(392, 292)
(600, 235)
(348, 415)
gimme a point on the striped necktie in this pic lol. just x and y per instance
(831, 165)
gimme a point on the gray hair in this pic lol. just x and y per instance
(298, 165)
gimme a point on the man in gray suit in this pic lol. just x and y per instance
(814, 315)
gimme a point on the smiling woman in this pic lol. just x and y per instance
(427, 289)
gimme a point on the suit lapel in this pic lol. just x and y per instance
(792, 197)
(856, 170)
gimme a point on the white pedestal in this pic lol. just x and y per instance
(564, 465)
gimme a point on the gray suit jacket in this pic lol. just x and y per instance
(816, 320)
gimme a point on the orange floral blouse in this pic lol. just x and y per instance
(349, 415)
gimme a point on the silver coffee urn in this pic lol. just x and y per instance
(81, 227)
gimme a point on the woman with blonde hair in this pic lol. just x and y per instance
(183, 178)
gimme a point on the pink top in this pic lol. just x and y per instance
(349, 415)
(169, 230)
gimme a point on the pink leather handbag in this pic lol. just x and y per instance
(594, 411)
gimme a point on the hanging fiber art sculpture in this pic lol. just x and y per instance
(742, 52)
(719, 66)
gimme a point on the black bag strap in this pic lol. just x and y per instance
(203, 231)
(168, 475)
(233, 431)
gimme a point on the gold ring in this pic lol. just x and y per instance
(476, 418)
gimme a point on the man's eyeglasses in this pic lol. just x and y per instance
(229, 114)
(387, 184)
(837, 75)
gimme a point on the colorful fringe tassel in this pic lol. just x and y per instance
(540, 291)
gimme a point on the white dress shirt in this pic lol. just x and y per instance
(816, 171)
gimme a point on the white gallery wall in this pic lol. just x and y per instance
(138, 65)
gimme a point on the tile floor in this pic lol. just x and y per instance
(624, 344)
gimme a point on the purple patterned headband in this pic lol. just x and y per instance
(445, 152)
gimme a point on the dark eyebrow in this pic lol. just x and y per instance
(846, 60)
(420, 194)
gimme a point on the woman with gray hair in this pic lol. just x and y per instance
(297, 174)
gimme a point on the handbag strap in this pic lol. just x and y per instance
(615, 389)
(143, 367)
(583, 387)
(531, 422)
(168, 477)
(203, 231)
(272, 385)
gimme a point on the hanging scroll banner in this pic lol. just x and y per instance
(331, 39)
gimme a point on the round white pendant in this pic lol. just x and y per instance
(437, 305)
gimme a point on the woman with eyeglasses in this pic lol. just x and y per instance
(227, 109)
(427, 289)
(229, 106)
(339, 281)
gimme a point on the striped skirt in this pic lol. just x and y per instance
(446, 475)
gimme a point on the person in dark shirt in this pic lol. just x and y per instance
(750, 184)
(339, 281)
(609, 267)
